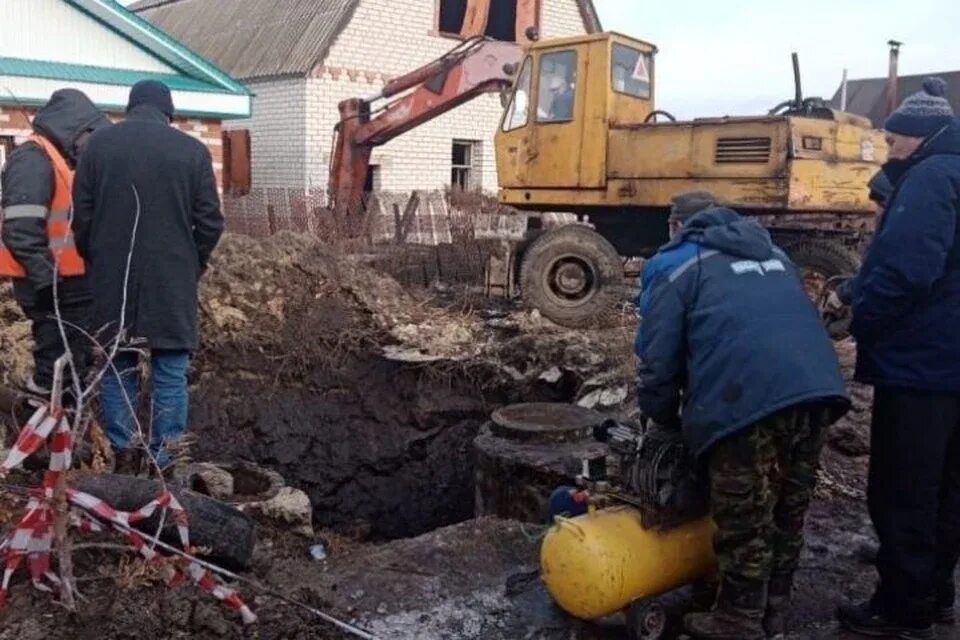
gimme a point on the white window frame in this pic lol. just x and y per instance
(470, 169)
(3, 153)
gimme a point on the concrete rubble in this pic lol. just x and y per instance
(290, 509)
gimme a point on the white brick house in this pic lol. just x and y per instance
(302, 57)
(100, 48)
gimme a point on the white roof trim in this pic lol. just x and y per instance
(114, 97)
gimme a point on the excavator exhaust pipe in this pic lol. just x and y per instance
(798, 88)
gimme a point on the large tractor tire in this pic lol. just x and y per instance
(823, 265)
(573, 276)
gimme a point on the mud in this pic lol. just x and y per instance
(367, 397)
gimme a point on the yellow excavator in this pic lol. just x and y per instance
(581, 133)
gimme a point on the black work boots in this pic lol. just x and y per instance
(738, 615)
(778, 605)
(946, 595)
(871, 618)
(704, 595)
(867, 619)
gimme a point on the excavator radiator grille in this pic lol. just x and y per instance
(742, 150)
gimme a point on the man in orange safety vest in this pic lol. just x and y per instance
(36, 240)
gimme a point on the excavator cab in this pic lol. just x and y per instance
(554, 129)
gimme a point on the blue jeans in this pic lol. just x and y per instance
(169, 401)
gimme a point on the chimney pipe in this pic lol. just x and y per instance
(892, 76)
(843, 92)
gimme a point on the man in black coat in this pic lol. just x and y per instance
(906, 314)
(29, 183)
(147, 218)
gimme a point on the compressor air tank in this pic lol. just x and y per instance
(599, 563)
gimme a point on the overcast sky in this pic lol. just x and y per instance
(733, 56)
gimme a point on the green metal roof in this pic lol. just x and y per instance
(146, 36)
(101, 75)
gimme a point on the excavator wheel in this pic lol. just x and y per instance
(823, 265)
(573, 276)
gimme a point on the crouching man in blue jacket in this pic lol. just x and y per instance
(906, 320)
(732, 351)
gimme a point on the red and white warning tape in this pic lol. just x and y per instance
(33, 537)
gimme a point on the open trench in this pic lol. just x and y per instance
(383, 448)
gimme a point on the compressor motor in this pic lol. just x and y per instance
(655, 473)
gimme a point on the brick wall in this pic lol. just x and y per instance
(15, 122)
(209, 132)
(278, 133)
(386, 39)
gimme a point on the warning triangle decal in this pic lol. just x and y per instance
(642, 72)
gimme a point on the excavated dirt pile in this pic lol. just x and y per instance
(15, 363)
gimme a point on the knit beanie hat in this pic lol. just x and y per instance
(686, 204)
(153, 93)
(923, 113)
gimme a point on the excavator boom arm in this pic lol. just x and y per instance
(475, 67)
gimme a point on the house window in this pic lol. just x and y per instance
(452, 14)
(372, 183)
(464, 165)
(507, 20)
(558, 86)
(6, 147)
(236, 162)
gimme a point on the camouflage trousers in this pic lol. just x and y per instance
(761, 483)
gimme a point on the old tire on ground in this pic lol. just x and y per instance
(573, 276)
(819, 262)
(227, 533)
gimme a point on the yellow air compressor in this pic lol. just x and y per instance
(653, 536)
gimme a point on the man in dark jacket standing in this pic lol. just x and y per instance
(733, 351)
(36, 193)
(906, 320)
(147, 219)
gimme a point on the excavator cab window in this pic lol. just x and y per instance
(632, 71)
(518, 110)
(558, 86)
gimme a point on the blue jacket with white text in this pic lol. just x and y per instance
(728, 331)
